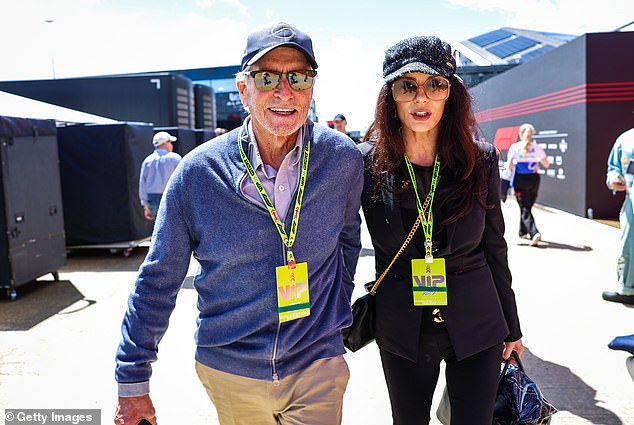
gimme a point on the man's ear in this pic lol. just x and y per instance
(242, 91)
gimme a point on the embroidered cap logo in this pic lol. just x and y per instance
(282, 31)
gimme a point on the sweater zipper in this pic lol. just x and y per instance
(276, 377)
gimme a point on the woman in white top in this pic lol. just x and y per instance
(524, 158)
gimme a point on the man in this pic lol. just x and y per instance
(274, 286)
(156, 170)
(340, 125)
(620, 177)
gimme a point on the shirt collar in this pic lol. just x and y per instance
(254, 152)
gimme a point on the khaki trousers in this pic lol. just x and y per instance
(313, 396)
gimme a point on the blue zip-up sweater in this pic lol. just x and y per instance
(238, 247)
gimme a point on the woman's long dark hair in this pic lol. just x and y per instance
(462, 181)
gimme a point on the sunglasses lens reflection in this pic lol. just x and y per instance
(270, 80)
(265, 80)
(435, 88)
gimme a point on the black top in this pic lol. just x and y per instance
(481, 310)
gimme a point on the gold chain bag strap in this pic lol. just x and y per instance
(409, 237)
(361, 332)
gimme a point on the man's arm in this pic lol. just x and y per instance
(350, 237)
(151, 303)
(142, 187)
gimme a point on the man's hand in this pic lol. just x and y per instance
(131, 410)
(147, 213)
(617, 183)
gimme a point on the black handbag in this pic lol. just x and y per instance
(519, 401)
(361, 332)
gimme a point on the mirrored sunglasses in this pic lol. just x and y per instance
(435, 88)
(270, 80)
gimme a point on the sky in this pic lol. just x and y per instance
(45, 39)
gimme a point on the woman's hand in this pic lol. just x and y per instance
(509, 347)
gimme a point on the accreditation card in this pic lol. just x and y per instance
(293, 300)
(429, 282)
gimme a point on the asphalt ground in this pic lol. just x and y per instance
(58, 339)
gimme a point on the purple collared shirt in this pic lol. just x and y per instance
(279, 184)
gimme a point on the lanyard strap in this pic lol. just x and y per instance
(424, 210)
(288, 241)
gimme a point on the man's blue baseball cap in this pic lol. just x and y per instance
(279, 34)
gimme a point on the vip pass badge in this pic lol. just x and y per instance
(293, 299)
(429, 281)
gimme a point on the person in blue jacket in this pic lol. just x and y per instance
(270, 211)
(156, 170)
(620, 177)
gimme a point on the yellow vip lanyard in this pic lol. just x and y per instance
(424, 210)
(287, 240)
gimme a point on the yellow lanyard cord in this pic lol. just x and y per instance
(424, 210)
(288, 241)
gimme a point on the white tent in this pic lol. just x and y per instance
(23, 107)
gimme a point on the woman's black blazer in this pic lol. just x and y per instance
(481, 310)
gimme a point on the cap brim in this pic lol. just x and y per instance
(296, 46)
(417, 67)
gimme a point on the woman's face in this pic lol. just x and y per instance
(420, 101)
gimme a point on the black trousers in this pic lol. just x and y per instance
(471, 383)
(526, 188)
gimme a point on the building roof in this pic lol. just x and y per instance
(507, 46)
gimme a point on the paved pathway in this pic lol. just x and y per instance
(57, 341)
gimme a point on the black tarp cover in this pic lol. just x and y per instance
(99, 167)
(31, 217)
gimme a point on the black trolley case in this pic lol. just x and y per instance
(32, 240)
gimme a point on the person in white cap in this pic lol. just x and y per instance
(156, 171)
(274, 285)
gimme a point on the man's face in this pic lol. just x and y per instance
(340, 125)
(281, 111)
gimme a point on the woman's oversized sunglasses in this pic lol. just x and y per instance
(435, 88)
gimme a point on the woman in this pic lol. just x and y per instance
(422, 161)
(523, 159)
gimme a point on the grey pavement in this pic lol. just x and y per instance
(57, 340)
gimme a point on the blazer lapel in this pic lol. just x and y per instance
(392, 205)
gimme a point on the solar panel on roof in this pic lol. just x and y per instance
(532, 55)
(511, 47)
(490, 37)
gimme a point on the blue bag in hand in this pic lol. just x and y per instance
(519, 400)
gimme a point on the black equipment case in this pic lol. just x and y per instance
(32, 239)
(99, 168)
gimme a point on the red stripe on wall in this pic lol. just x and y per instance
(583, 93)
